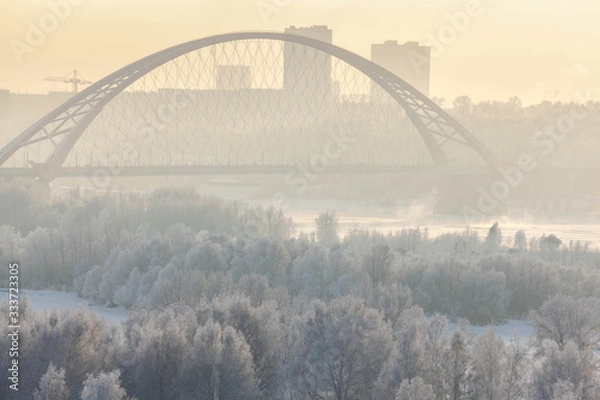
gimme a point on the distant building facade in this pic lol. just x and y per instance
(234, 77)
(307, 70)
(18, 111)
(409, 61)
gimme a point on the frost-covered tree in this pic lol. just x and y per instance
(480, 296)
(277, 225)
(457, 367)
(345, 346)
(562, 319)
(52, 385)
(12, 241)
(218, 285)
(405, 361)
(79, 340)
(43, 250)
(310, 276)
(218, 366)
(126, 295)
(256, 288)
(493, 239)
(550, 242)
(92, 281)
(559, 366)
(488, 366)
(158, 359)
(167, 289)
(269, 258)
(415, 389)
(565, 390)
(208, 257)
(378, 264)
(516, 370)
(104, 386)
(435, 345)
(327, 227)
(262, 331)
(520, 240)
(392, 299)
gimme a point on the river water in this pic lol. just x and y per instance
(357, 210)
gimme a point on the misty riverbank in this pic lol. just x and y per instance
(368, 202)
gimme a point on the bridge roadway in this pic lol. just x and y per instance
(245, 169)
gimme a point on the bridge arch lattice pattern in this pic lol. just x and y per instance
(271, 93)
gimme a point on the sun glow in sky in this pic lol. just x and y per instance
(533, 49)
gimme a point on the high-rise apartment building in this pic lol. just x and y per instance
(234, 77)
(307, 72)
(409, 61)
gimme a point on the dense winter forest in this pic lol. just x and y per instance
(229, 302)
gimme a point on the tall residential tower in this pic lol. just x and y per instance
(307, 72)
(409, 61)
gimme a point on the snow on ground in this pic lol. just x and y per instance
(49, 300)
(506, 331)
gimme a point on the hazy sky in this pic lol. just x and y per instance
(526, 48)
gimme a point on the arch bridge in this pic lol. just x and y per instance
(248, 98)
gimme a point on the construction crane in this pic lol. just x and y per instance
(73, 80)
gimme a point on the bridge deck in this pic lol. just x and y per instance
(239, 170)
